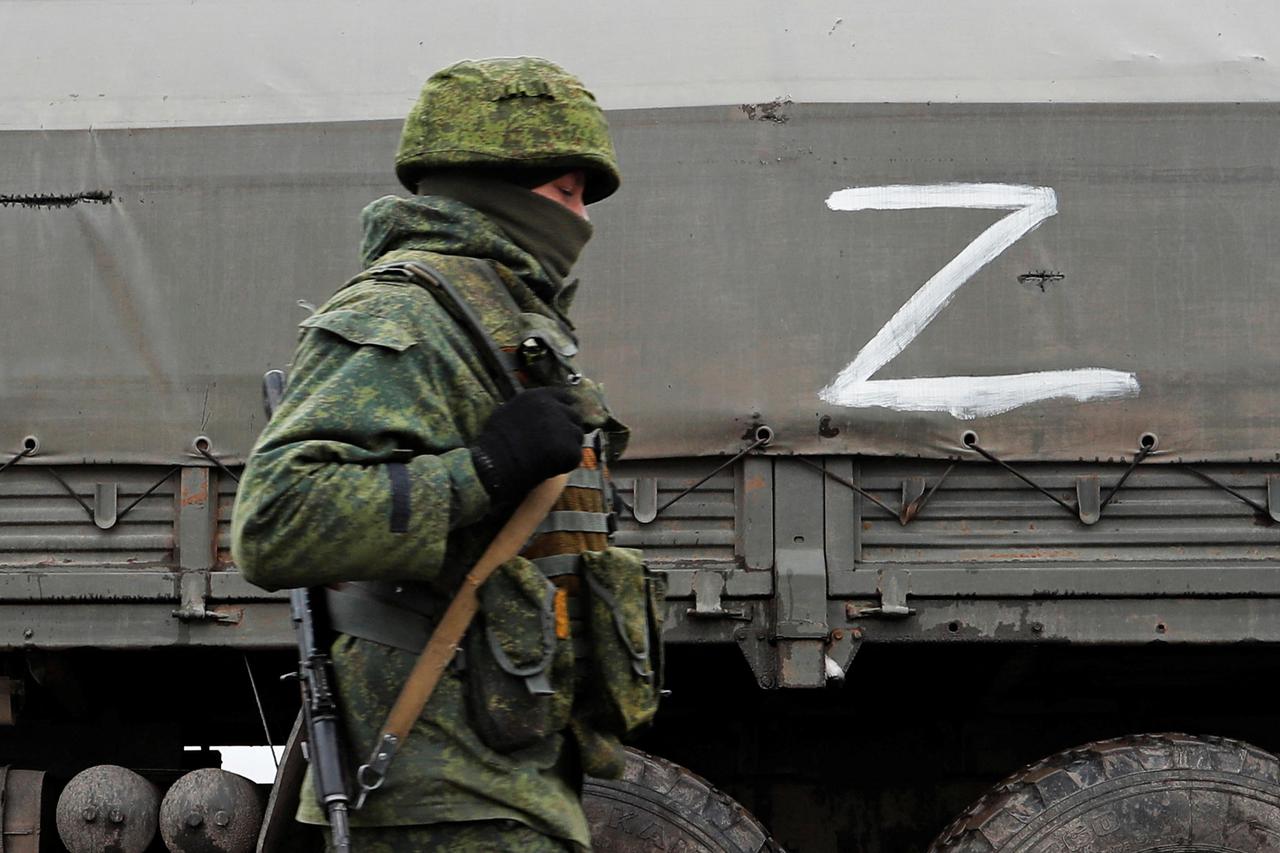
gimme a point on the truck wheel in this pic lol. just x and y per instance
(1164, 793)
(657, 805)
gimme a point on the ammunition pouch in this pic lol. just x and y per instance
(624, 608)
(520, 667)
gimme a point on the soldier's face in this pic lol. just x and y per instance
(566, 191)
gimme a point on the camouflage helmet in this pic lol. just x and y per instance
(520, 113)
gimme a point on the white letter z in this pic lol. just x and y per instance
(963, 396)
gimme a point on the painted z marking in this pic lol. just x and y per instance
(965, 397)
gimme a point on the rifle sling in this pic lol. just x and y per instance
(444, 642)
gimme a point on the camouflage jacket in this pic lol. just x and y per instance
(380, 369)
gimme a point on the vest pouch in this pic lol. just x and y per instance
(519, 674)
(624, 617)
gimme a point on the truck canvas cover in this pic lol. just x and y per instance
(1056, 253)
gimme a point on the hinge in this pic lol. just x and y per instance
(193, 599)
(894, 584)
(708, 594)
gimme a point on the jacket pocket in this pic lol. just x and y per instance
(624, 614)
(519, 673)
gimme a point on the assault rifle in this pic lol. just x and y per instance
(324, 748)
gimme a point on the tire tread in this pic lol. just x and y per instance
(1004, 810)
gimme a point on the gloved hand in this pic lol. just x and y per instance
(534, 435)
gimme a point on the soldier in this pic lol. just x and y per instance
(398, 451)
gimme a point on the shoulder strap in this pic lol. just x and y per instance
(502, 365)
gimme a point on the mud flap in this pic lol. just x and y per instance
(280, 832)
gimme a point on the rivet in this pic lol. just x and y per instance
(194, 820)
(837, 634)
(90, 814)
(28, 633)
(221, 818)
(117, 816)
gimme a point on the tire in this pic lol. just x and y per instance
(1165, 793)
(657, 805)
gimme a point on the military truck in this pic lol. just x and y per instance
(947, 334)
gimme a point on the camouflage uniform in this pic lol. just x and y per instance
(383, 376)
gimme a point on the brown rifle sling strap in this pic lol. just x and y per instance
(444, 642)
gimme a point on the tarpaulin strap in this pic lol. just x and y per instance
(844, 481)
(986, 454)
(1144, 450)
(174, 470)
(1221, 485)
(89, 510)
(27, 451)
(763, 437)
(1143, 453)
(204, 451)
(72, 492)
(915, 507)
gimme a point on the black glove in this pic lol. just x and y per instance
(531, 437)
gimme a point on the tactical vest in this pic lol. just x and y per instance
(404, 614)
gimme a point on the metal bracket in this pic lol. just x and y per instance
(708, 590)
(10, 694)
(1273, 496)
(21, 796)
(193, 598)
(894, 585)
(912, 492)
(1089, 499)
(106, 505)
(800, 630)
(645, 500)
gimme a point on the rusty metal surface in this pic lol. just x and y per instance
(107, 807)
(1082, 621)
(210, 811)
(21, 793)
(10, 696)
(721, 286)
(139, 625)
